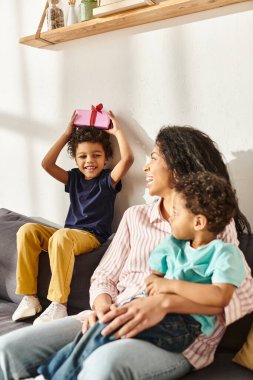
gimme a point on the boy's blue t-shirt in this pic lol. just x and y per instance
(91, 203)
(216, 262)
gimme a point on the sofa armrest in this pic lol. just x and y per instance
(10, 222)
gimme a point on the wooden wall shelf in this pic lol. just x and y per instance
(164, 10)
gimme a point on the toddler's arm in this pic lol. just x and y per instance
(49, 161)
(217, 295)
(126, 154)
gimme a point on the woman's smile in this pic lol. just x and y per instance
(149, 180)
(157, 174)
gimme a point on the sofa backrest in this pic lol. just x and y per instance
(10, 222)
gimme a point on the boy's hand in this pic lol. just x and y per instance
(156, 285)
(115, 124)
(70, 127)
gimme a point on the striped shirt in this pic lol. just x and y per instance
(123, 269)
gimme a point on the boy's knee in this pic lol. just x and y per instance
(61, 235)
(28, 228)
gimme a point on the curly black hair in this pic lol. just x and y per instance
(210, 195)
(186, 150)
(89, 134)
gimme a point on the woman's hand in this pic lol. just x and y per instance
(134, 317)
(102, 305)
(157, 285)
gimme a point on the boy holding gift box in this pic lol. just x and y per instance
(92, 190)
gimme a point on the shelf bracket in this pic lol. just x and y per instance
(37, 34)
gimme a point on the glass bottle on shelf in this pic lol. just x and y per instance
(71, 16)
(54, 15)
(86, 9)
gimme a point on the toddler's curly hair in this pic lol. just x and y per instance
(210, 195)
(89, 134)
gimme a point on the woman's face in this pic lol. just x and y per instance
(157, 174)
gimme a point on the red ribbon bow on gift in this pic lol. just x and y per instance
(94, 111)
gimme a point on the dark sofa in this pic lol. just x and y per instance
(222, 369)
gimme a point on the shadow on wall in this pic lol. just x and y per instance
(240, 170)
(29, 132)
(134, 182)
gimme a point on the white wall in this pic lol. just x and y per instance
(196, 70)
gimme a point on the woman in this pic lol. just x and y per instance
(121, 275)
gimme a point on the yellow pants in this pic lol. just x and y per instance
(62, 246)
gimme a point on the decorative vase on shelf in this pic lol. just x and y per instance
(86, 9)
(71, 15)
(54, 15)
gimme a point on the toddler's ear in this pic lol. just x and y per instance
(200, 222)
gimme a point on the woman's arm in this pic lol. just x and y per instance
(142, 313)
(106, 276)
(49, 161)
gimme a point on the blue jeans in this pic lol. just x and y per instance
(174, 333)
(23, 350)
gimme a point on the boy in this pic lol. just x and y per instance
(92, 190)
(195, 264)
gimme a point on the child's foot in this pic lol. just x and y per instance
(28, 307)
(54, 311)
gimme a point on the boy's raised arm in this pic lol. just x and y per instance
(49, 161)
(126, 154)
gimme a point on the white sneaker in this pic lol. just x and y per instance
(54, 311)
(28, 307)
(39, 377)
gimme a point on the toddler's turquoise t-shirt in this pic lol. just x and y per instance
(216, 262)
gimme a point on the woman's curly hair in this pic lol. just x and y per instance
(186, 150)
(89, 134)
(210, 195)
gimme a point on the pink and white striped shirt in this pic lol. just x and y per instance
(124, 267)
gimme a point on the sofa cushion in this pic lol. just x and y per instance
(7, 308)
(245, 356)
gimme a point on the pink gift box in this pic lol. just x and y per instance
(94, 117)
